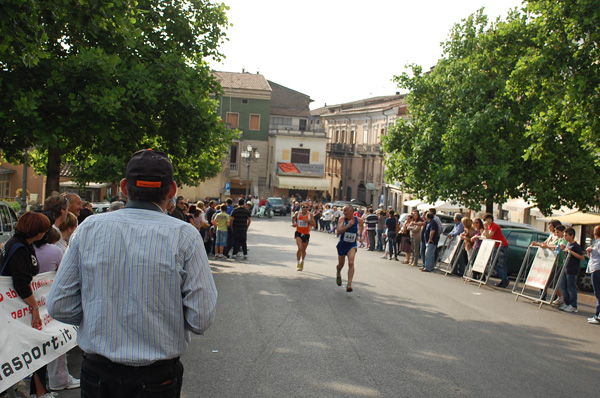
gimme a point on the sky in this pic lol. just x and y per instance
(341, 51)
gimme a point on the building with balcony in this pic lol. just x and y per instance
(298, 151)
(355, 160)
(245, 105)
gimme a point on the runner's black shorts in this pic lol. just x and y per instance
(304, 237)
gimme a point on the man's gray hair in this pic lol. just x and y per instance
(116, 205)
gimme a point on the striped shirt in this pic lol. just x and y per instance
(136, 282)
(371, 221)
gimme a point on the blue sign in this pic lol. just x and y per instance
(227, 186)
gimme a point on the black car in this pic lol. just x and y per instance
(279, 206)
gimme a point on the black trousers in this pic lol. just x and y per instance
(101, 378)
(371, 234)
(239, 239)
(41, 373)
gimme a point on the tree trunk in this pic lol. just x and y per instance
(53, 171)
(489, 206)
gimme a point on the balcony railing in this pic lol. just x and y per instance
(233, 166)
(340, 148)
(289, 131)
(364, 149)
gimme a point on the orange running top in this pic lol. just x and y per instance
(303, 223)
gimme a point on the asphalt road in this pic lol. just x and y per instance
(401, 333)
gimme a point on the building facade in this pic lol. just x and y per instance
(355, 160)
(244, 105)
(298, 151)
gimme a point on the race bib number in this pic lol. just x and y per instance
(349, 237)
(302, 223)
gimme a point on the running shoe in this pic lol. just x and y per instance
(594, 320)
(558, 301)
(300, 266)
(72, 384)
(349, 288)
(338, 280)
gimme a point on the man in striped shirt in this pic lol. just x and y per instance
(136, 282)
(371, 221)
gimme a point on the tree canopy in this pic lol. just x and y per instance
(100, 80)
(474, 134)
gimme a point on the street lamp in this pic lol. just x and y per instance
(248, 154)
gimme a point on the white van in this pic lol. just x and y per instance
(8, 221)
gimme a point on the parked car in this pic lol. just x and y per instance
(8, 221)
(279, 206)
(516, 225)
(101, 207)
(340, 204)
(518, 243)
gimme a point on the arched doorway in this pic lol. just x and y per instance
(361, 193)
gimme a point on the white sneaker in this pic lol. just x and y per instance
(558, 301)
(72, 384)
(570, 308)
(562, 307)
(594, 321)
(384, 256)
(245, 257)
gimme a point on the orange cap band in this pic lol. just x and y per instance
(148, 184)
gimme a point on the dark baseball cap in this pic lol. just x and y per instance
(149, 169)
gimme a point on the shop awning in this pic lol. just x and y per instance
(516, 205)
(4, 170)
(90, 185)
(412, 203)
(442, 205)
(563, 211)
(579, 218)
(309, 183)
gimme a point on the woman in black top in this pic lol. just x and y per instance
(390, 224)
(22, 266)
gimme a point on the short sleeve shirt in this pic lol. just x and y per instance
(371, 221)
(240, 218)
(222, 220)
(573, 264)
(497, 234)
(390, 223)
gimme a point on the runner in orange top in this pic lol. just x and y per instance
(302, 220)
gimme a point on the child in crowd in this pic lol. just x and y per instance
(567, 283)
(221, 221)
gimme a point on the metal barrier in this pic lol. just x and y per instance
(450, 255)
(537, 277)
(481, 265)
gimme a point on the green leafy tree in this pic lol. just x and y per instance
(561, 70)
(474, 134)
(464, 140)
(114, 77)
